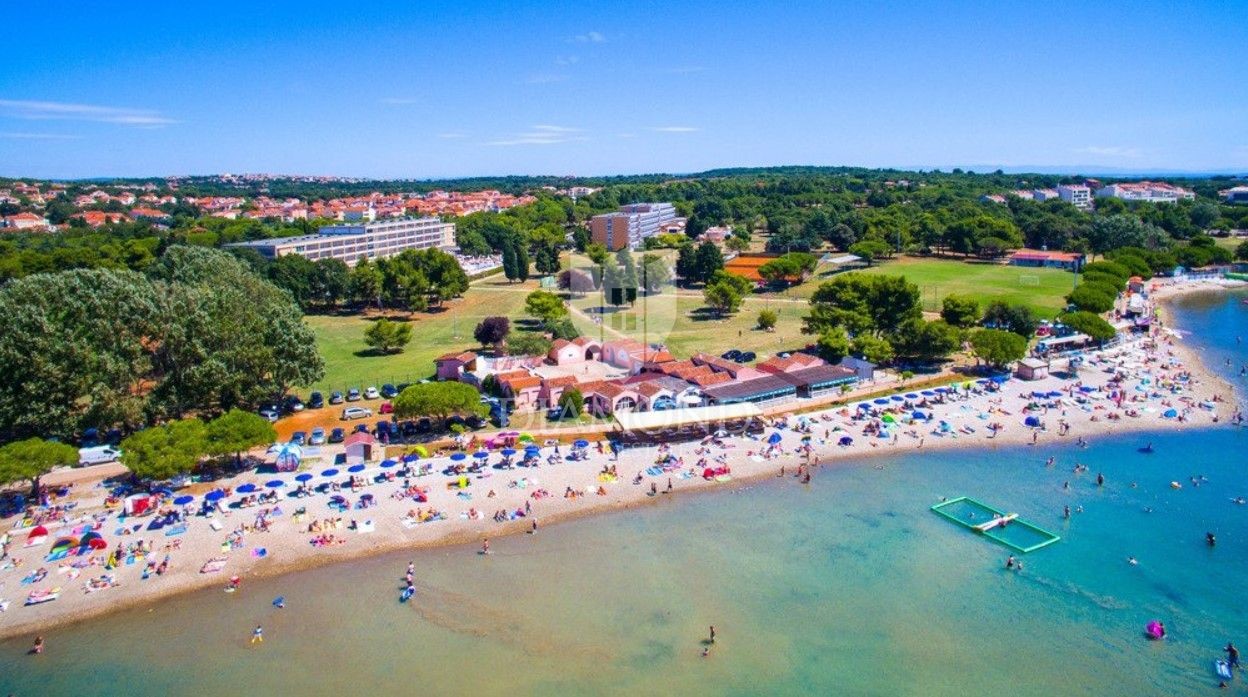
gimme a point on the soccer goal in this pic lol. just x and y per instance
(1029, 281)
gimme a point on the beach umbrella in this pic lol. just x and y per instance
(942, 389)
(865, 406)
(582, 443)
(1032, 421)
(215, 495)
(845, 440)
(880, 401)
(275, 484)
(1170, 413)
(897, 398)
(928, 393)
(387, 464)
(911, 395)
(355, 468)
(246, 488)
(918, 415)
(421, 451)
(183, 500)
(524, 437)
(458, 456)
(411, 457)
(329, 473)
(163, 491)
(1000, 378)
(481, 454)
(97, 543)
(508, 452)
(531, 448)
(774, 438)
(889, 418)
(303, 477)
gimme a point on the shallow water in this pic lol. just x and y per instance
(849, 586)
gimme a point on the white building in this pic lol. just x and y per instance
(1076, 195)
(351, 243)
(1155, 192)
(631, 224)
(1235, 194)
(1044, 195)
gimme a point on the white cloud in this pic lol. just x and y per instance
(590, 37)
(1110, 151)
(394, 101)
(542, 134)
(45, 111)
(674, 129)
(40, 136)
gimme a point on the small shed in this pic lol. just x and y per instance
(1031, 369)
(359, 447)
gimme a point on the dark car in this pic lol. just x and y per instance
(299, 437)
(408, 429)
(335, 397)
(292, 404)
(747, 357)
(389, 391)
(337, 435)
(353, 394)
(731, 355)
(361, 428)
(316, 400)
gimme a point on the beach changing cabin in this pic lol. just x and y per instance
(1031, 369)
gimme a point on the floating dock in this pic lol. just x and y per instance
(1005, 528)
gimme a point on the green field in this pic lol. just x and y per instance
(1043, 289)
(349, 364)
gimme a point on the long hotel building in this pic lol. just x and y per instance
(630, 225)
(371, 240)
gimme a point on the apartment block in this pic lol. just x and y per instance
(351, 243)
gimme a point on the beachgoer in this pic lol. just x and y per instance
(1100, 479)
(1232, 655)
(712, 634)
(38, 647)
(1066, 512)
(1132, 561)
(1209, 538)
(485, 546)
(257, 636)
(1009, 563)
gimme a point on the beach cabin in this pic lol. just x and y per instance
(1031, 369)
(452, 366)
(359, 447)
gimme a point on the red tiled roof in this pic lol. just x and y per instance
(461, 356)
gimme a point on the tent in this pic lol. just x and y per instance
(37, 535)
(845, 440)
(774, 438)
(140, 504)
(1032, 422)
(288, 458)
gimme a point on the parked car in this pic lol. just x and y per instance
(360, 428)
(732, 355)
(98, 455)
(316, 400)
(356, 413)
(389, 391)
(372, 393)
(317, 437)
(386, 408)
(292, 403)
(335, 397)
(747, 357)
(299, 437)
(270, 413)
(337, 435)
(353, 394)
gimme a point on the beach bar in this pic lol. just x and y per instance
(687, 424)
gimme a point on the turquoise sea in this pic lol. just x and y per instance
(849, 586)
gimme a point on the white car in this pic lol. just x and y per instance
(98, 455)
(372, 393)
(356, 413)
(270, 414)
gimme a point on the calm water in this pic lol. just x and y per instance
(848, 587)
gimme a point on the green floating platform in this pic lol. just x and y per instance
(1017, 534)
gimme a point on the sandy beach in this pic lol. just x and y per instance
(1128, 388)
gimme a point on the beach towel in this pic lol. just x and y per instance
(215, 525)
(213, 565)
(365, 527)
(175, 530)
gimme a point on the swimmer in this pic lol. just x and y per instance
(1132, 561)
(38, 647)
(1209, 538)
(1066, 512)
(1009, 563)
(1100, 479)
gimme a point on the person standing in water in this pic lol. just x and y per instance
(485, 546)
(1232, 655)
(257, 636)
(38, 647)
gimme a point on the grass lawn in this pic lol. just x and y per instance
(348, 362)
(1043, 289)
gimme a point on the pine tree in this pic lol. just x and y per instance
(509, 261)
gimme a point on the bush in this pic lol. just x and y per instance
(767, 319)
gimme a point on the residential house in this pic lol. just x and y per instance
(452, 366)
(553, 389)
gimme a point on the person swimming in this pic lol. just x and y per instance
(1132, 561)
(1210, 539)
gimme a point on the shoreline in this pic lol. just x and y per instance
(290, 552)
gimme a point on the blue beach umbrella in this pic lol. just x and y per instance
(355, 468)
(774, 438)
(183, 500)
(303, 477)
(275, 484)
(531, 449)
(329, 473)
(246, 488)
(215, 495)
(458, 456)
(387, 464)
(508, 452)
(942, 389)
(897, 398)
(582, 443)
(928, 393)
(912, 395)
(846, 440)
(481, 454)
(918, 415)
(411, 457)
(880, 401)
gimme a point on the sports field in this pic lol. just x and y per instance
(1043, 289)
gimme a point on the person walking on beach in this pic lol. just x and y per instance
(712, 634)
(485, 546)
(257, 636)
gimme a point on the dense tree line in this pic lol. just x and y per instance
(197, 333)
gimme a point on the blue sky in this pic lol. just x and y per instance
(427, 89)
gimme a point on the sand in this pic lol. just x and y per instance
(288, 544)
